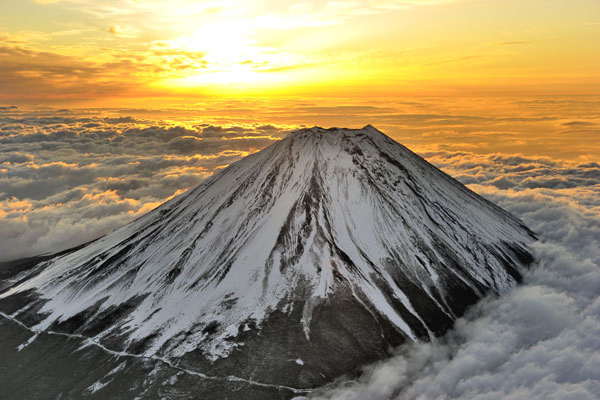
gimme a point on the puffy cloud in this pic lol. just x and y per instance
(66, 178)
(540, 341)
(516, 171)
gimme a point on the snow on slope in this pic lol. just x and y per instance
(318, 210)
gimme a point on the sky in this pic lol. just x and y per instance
(135, 52)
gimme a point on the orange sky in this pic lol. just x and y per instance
(148, 52)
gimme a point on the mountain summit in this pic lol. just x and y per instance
(291, 267)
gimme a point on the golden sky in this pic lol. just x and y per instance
(84, 51)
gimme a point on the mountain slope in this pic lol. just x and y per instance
(290, 267)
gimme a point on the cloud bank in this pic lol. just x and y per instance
(541, 340)
(67, 178)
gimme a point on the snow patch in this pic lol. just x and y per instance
(96, 386)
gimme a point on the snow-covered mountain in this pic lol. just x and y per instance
(290, 267)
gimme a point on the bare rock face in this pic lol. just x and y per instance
(289, 268)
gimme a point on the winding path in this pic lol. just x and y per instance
(169, 363)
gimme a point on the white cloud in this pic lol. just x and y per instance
(69, 178)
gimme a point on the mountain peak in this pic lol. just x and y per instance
(337, 241)
(368, 129)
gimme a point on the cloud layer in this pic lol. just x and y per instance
(540, 341)
(68, 178)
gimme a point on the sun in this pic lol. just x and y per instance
(231, 59)
(228, 41)
(228, 52)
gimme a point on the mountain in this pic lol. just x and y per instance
(289, 268)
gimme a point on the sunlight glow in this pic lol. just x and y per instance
(87, 49)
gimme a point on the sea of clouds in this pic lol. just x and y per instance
(69, 177)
